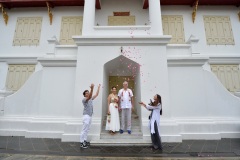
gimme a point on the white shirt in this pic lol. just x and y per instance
(125, 98)
(155, 116)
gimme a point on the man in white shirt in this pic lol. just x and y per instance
(126, 106)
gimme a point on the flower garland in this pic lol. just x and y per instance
(128, 95)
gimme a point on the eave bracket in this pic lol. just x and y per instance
(5, 15)
(49, 6)
(194, 13)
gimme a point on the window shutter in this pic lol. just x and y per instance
(70, 26)
(229, 78)
(37, 32)
(18, 32)
(28, 31)
(236, 78)
(121, 20)
(218, 30)
(17, 75)
(229, 75)
(173, 25)
(79, 22)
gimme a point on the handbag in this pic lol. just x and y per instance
(150, 116)
(109, 118)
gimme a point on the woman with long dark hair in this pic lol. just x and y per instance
(113, 123)
(154, 120)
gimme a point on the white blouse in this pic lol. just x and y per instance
(155, 116)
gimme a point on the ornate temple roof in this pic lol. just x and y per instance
(42, 3)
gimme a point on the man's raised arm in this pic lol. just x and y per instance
(91, 91)
(97, 91)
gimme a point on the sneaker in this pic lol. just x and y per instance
(87, 143)
(121, 131)
(129, 131)
(83, 145)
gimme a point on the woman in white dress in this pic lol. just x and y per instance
(154, 120)
(113, 123)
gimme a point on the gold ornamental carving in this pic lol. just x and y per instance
(239, 15)
(194, 13)
(5, 15)
(50, 15)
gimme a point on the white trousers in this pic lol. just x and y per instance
(87, 120)
(126, 118)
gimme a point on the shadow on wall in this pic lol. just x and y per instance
(25, 100)
(219, 100)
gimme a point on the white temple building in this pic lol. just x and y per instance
(188, 51)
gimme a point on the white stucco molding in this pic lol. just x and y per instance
(224, 60)
(186, 61)
(5, 93)
(53, 40)
(193, 41)
(67, 46)
(19, 60)
(147, 27)
(66, 50)
(178, 50)
(179, 46)
(148, 40)
(237, 94)
(58, 62)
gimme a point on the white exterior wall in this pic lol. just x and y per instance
(195, 83)
(100, 53)
(110, 6)
(201, 107)
(57, 83)
(47, 30)
(198, 30)
(101, 17)
(3, 74)
(194, 102)
(188, 100)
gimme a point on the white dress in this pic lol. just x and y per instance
(114, 124)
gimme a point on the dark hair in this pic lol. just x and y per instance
(159, 101)
(85, 92)
(159, 98)
(114, 87)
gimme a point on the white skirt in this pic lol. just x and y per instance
(114, 124)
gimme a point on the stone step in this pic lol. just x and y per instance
(125, 135)
(133, 126)
(133, 120)
(121, 142)
(132, 129)
(121, 117)
(133, 117)
(133, 123)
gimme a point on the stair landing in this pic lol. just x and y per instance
(135, 138)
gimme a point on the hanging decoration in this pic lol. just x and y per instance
(49, 12)
(239, 15)
(5, 15)
(194, 13)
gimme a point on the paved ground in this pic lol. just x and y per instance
(44, 157)
(20, 148)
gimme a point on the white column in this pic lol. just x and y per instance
(89, 17)
(155, 17)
